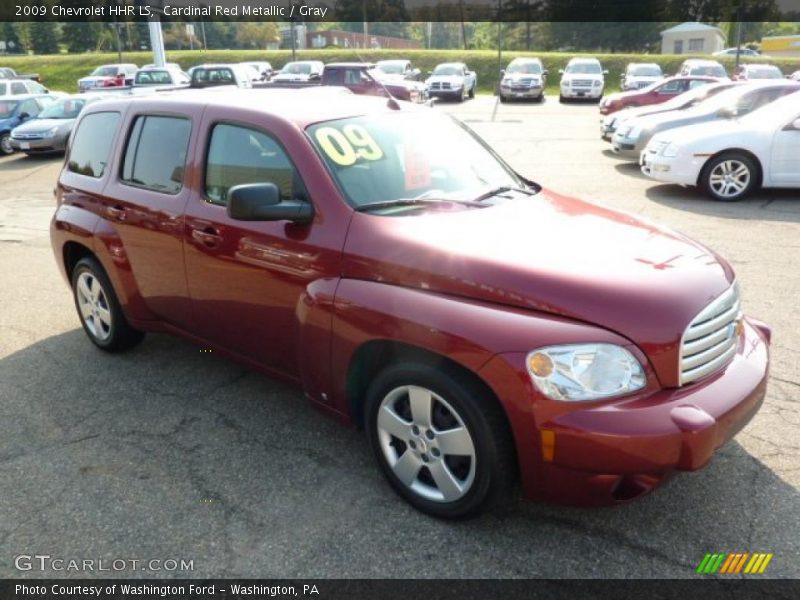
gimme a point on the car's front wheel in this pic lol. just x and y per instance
(730, 177)
(99, 309)
(440, 439)
(5, 144)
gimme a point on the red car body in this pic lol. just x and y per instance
(655, 94)
(316, 303)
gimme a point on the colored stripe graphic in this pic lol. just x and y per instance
(731, 563)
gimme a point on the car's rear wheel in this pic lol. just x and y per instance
(5, 144)
(440, 439)
(99, 309)
(730, 177)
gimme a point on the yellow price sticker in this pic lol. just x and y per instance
(347, 146)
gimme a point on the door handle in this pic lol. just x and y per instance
(116, 212)
(209, 237)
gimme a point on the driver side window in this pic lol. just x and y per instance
(238, 155)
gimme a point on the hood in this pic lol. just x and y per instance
(42, 125)
(446, 78)
(707, 132)
(291, 77)
(676, 118)
(518, 76)
(590, 76)
(552, 254)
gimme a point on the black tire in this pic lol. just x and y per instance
(485, 480)
(472, 92)
(503, 99)
(5, 144)
(712, 177)
(561, 99)
(540, 99)
(111, 332)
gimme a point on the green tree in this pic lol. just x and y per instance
(44, 37)
(255, 34)
(79, 36)
(10, 34)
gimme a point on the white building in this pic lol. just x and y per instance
(692, 38)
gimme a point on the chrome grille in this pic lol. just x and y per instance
(710, 340)
(440, 85)
(642, 84)
(581, 83)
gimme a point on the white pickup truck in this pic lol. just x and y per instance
(452, 80)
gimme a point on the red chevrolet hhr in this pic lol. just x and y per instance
(384, 259)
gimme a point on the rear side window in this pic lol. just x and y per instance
(18, 87)
(92, 144)
(238, 155)
(156, 153)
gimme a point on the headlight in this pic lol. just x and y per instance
(457, 84)
(670, 151)
(51, 132)
(506, 82)
(634, 133)
(579, 372)
(624, 130)
(597, 83)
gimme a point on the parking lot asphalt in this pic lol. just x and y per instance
(169, 453)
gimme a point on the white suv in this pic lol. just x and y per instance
(583, 78)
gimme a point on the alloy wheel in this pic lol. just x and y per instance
(729, 178)
(94, 306)
(426, 444)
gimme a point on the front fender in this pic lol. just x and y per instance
(467, 332)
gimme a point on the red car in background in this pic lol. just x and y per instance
(655, 94)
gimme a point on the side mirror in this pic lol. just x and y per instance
(502, 72)
(727, 112)
(262, 202)
(314, 77)
(796, 124)
(546, 72)
(24, 116)
(561, 71)
(605, 71)
(430, 72)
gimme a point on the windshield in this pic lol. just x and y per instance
(3, 88)
(297, 68)
(392, 67)
(104, 72)
(152, 77)
(7, 109)
(447, 70)
(709, 71)
(645, 71)
(68, 108)
(528, 68)
(764, 73)
(583, 68)
(407, 155)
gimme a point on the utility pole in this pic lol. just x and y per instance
(739, 12)
(463, 29)
(116, 27)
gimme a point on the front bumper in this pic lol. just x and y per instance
(613, 451)
(42, 145)
(670, 170)
(450, 93)
(592, 92)
(626, 148)
(517, 92)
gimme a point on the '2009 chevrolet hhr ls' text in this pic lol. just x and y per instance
(382, 257)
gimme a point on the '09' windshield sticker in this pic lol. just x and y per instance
(349, 145)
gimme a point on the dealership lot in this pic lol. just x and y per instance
(167, 452)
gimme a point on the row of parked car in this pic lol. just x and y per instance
(726, 137)
(448, 80)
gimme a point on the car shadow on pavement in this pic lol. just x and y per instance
(630, 169)
(765, 205)
(168, 451)
(20, 162)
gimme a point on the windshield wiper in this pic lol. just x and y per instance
(414, 202)
(502, 189)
